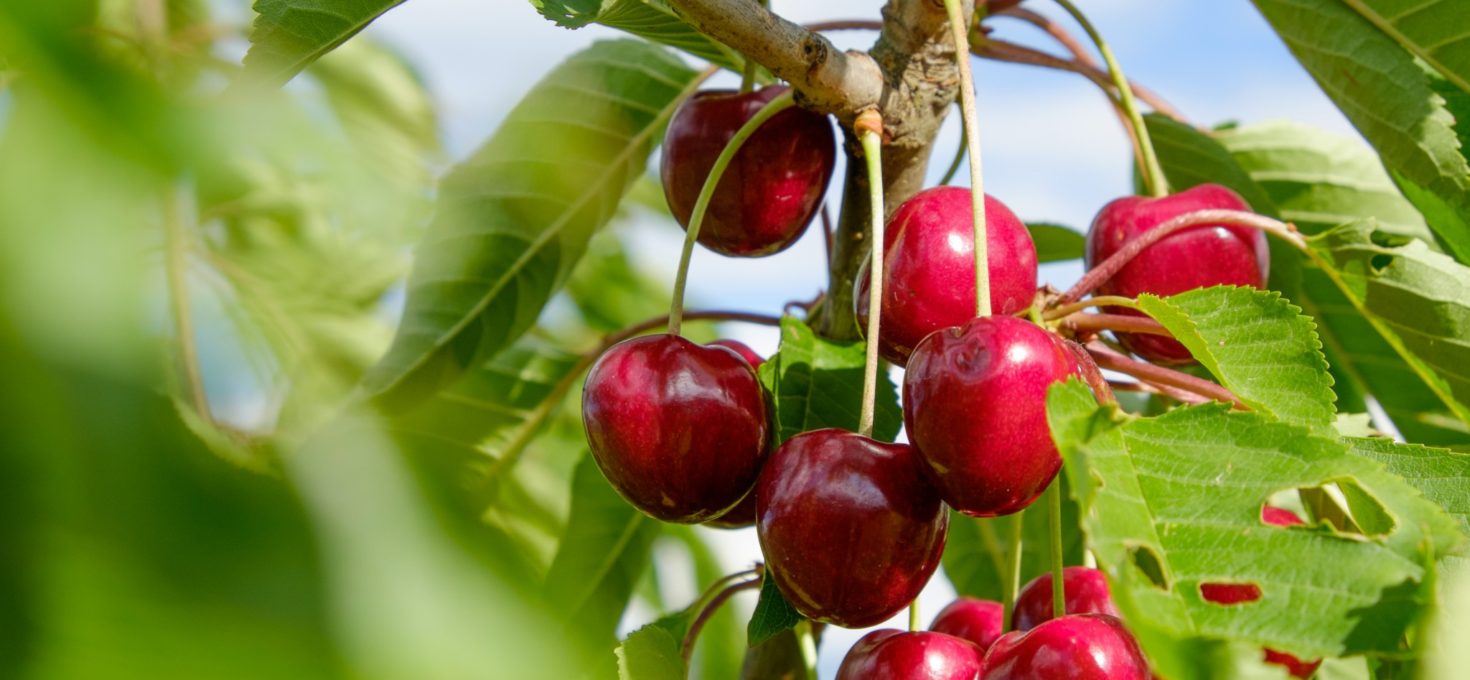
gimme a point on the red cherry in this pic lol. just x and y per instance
(979, 621)
(771, 188)
(1074, 647)
(1085, 592)
(893, 655)
(744, 350)
(850, 527)
(1296, 667)
(678, 429)
(929, 267)
(1280, 517)
(1194, 258)
(974, 403)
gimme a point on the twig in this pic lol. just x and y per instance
(846, 25)
(1172, 393)
(1158, 375)
(1083, 321)
(177, 235)
(708, 611)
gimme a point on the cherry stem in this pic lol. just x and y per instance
(808, 645)
(869, 127)
(709, 610)
(1013, 577)
(954, 165)
(1153, 174)
(1054, 515)
(1095, 301)
(914, 615)
(1092, 375)
(1158, 375)
(1172, 393)
(1083, 321)
(1231, 218)
(960, 32)
(747, 75)
(701, 204)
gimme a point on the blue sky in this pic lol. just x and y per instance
(1052, 148)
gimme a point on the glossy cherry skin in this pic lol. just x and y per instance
(968, 618)
(974, 403)
(744, 350)
(771, 188)
(742, 515)
(1085, 592)
(1230, 594)
(1209, 255)
(850, 527)
(929, 267)
(679, 429)
(1074, 647)
(896, 655)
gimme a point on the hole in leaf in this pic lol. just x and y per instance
(1229, 593)
(1348, 508)
(1388, 240)
(1148, 563)
(1368, 512)
(1380, 263)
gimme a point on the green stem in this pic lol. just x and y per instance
(808, 645)
(1153, 174)
(701, 204)
(1013, 576)
(178, 244)
(954, 165)
(873, 155)
(747, 75)
(1094, 301)
(1058, 589)
(958, 30)
(914, 615)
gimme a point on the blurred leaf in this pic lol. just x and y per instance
(818, 383)
(1388, 97)
(773, 614)
(1171, 502)
(602, 554)
(721, 643)
(288, 35)
(1417, 299)
(1433, 31)
(1257, 344)
(514, 219)
(610, 292)
(650, 19)
(1056, 243)
(652, 652)
(974, 552)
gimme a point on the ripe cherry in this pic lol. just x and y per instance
(1229, 594)
(968, 618)
(1194, 258)
(929, 267)
(974, 403)
(1074, 647)
(742, 515)
(744, 350)
(895, 655)
(680, 430)
(1085, 592)
(850, 527)
(771, 188)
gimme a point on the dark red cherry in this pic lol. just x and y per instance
(1074, 647)
(974, 403)
(1195, 258)
(968, 618)
(1085, 590)
(894, 655)
(744, 350)
(772, 187)
(850, 527)
(929, 267)
(679, 429)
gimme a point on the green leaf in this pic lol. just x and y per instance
(603, 552)
(1433, 31)
(650, 19)
(653, 651)
(1388, 97)
(773, 614)
(818, 383)
(1257, 344)
(1191, 157)
(1056, 243)
(1418, 301)
(514, 219)
(1174, 501)
(288, 35)
(974, 552)
(1442, 476)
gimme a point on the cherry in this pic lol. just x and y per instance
(1073, 647)
(678, 429)
(1085, 591)
(1193, 258)
(772, 186)
(974, 403)
(979, 621)
(1229, 593)
(742, 515)
(895, 655)
(929, 267)
(744, 350)
(850, 527)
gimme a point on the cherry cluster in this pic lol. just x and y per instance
(852, 528)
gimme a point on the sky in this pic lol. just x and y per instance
(1053, 149)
